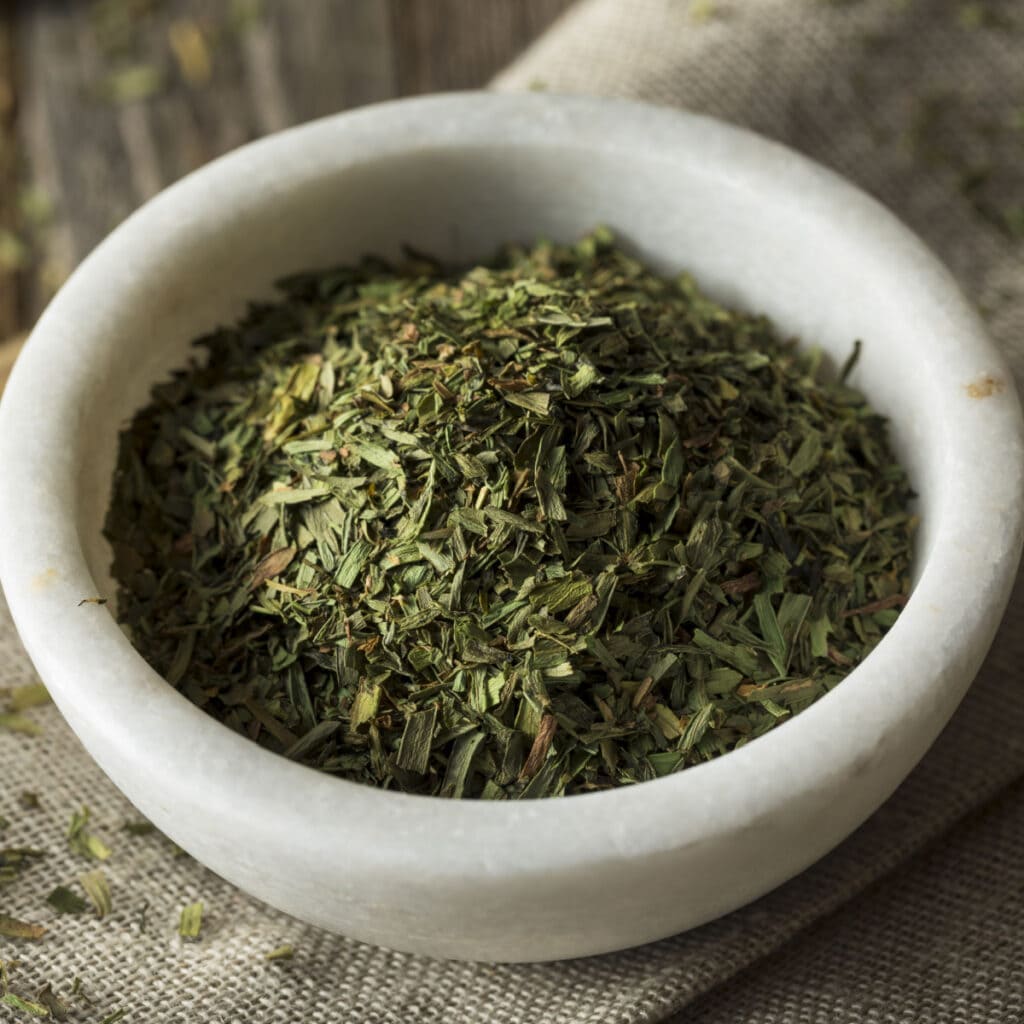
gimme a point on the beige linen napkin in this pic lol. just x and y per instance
(918, 916)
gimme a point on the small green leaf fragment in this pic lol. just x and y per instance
(770, 631)
(313, 740)
(98, 890)
(377, 455)
(82, 841)
(205, 447)
(584, 377)
(442, 563)
(512, 520)
(12, 928)
(365, 705)
(295, 495)
(31, 695)
(807, 456)
(19, 723)
(851, 362)
(28, 1006)
(59, 1008)
(742, 658)
(722, 680)
(64, 901)
(139, 828)
(191, 922)
(559, 595)
(414, 746)
(460, 764)
(352, 563)
(538, 402)
(819, 630)
(472, 468)
(14, 860)
(665, 762)
(673, 465)
(285, 952)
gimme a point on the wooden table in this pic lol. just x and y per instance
(105, 102)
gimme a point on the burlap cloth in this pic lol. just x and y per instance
(920, 915)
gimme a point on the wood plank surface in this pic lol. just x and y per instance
(460, 44)
(105, 102)
(10, 245)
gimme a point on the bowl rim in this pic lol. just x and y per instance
(508, 837)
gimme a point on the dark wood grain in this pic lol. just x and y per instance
(99, 152)
(10, 305)
(338, 55)
(460, 44)
(76, 151)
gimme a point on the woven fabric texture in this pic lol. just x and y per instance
(917, 916)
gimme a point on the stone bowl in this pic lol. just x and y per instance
(761, 228)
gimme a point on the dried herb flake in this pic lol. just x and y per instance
(191, 922)
(98, 890)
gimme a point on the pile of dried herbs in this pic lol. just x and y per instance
(542, 527)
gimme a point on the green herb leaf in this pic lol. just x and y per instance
(57, 1007)
(139, 828)
(13, 722)
(191, 921)
(98, 890)
(31, 695)
(28, 1006)
(12, 928)
(14, 860)
(64, 901)
(414, 746)
(285, 952)
(82, 841)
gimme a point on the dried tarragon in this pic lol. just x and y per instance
(541, 527)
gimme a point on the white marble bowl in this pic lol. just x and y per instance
(761, 228)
